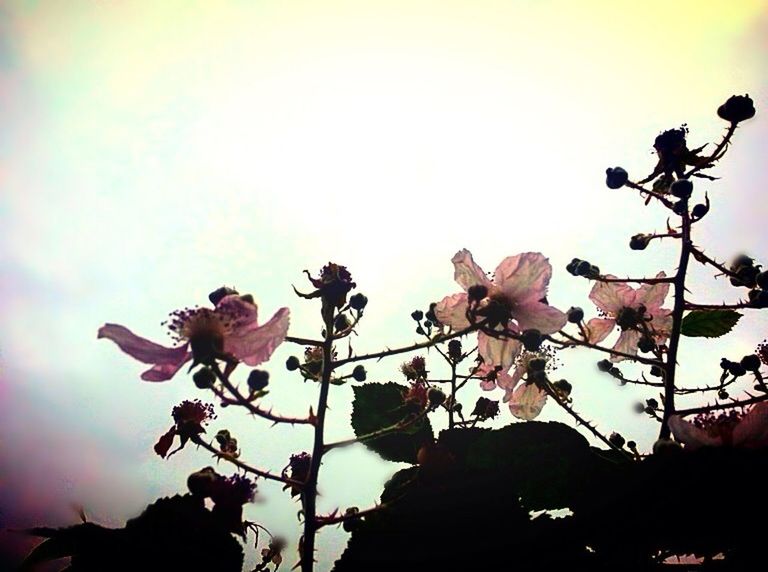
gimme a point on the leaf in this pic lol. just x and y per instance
(709, 323)
(380, 405)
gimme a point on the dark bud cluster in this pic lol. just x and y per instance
(616, 177)
(578, 267)
(485, 409)
(745, 270)
(737, 108)
(455, 351)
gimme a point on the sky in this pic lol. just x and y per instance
(153, 151)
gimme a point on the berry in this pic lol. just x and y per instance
(575, 314)
(292, 363)
(204, 378)
(358, 301)
(359, 373)
(616, 440)
(682, 188)
(258, 379)
(616, 177)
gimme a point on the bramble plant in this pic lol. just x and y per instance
(472, 491)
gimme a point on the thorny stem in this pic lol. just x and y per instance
(704, 259)
(326, 520)
(241, 465)
(667, 279)
(717, 154)
(309, 495)
(240, 399)
(686, 247)
(453, 395)
(729, 405)
(303, 341)
(639, 187)
(739, 306)
(406, 349)
(573, 341)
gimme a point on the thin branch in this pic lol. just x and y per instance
(326, 520)
(240, 399)
(665, 280)
(573, 341)
(738, 306)
(720, 406)
(399, 426)
(241, 465)
(303, 341)
(406, 349)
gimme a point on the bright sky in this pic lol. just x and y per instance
(152, 151)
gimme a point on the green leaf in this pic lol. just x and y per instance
(380, 405)
(709, 323)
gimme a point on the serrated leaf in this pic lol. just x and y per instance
(709, 323)
(380, 405)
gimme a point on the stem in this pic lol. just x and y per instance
(577, 342)
(686, 247)
(639, 280)
(411, 348)
(303, 341)
(326, 520)
(453, 395)
(309, 496)
(731, 405)
(240, 399)
(241, 465)
(739, 306)
(404, 424)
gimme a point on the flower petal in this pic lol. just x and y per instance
(611, 297)
(466, 271)
(690, 435)
(661, 324)
(537, 315)
(497, 352)
(598, 329)
(527, 401)
(752, 430)
(524, 277)
(452, 311)
(627, 344)
(246, 312)
(141, 348)
(652, 296)
(164, 371)
(255, 345)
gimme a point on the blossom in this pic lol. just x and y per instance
(748, 430)
(189, 418)
(513, 301)
(229, 331)
(637, 312)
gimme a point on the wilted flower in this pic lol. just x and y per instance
(229, 494)
(633, 311)
(298, 470)
(333, 285)
(514, 302)
(228, 331)
(730, 429)
(189, 418)
(414, 369)
(486, 408)
(417, 394)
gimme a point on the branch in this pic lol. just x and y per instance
(659, 197)
(326, 520)
(577, 342)
(668, 279)
(719, 406)
(411, 348)
(244, 466)
(303, 341)
(738, 306)
(399, 426)
(241, 400)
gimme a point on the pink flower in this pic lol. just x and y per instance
(513, 301)
(731, 429)
(230, 330)
(525, 401)
(635, 311)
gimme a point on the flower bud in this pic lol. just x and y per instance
(477, 292)
(358, 301)
(604, 365)
(682, 188)
(417, 315)
(430, 315)
(583, 268)
(737, 108)
(751, 362)
(762, 280)
(204, 378)
(435, 397)
(680, 207)
(563, 387)
(639, 241)
(202, 482)
(652, 403)
(220, 293)
(722, 394)
(616, 440)
(292, 363)
(572, 266)
(258, 379)
(537, 364)
(531, 339)
(645, 344)
(454, 350)
(616, 177)
(639, 408)
(359, 373)
(736, 369)
(699, 211)
(631, 445)
(656, 371)
(575, 314)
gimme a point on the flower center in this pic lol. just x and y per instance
(629, 318)
(498, 311)
(721, 425)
